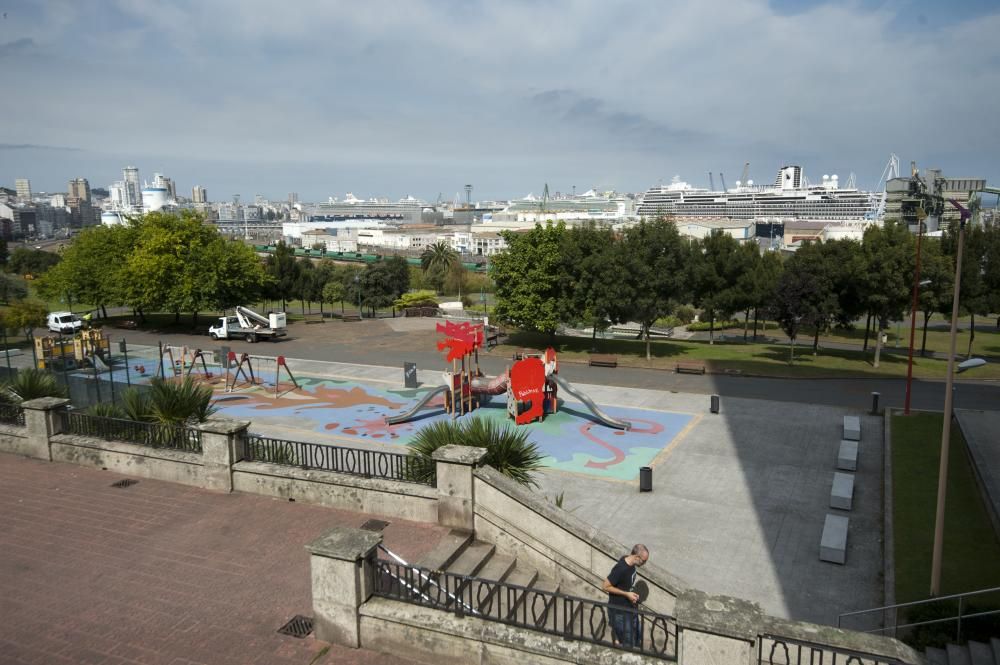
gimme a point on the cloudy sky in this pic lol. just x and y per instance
(423, 96)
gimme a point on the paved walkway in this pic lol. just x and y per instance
(159, 573)
(982, 434)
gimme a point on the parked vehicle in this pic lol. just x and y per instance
(64, 322)
(249, 325)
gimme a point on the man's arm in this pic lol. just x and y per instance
(612, 589)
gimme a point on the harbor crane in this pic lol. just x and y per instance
(723, 179)
(711, 181)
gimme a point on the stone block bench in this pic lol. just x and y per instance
(603, 360)
(833, 544)
(852, 428)
(847, 456)
(690, 368)
(842, 492)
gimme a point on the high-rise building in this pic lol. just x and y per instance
(23, 188)
(293, 198)
(133, 189)
(79, 188)
(199, 194)
(259, 200)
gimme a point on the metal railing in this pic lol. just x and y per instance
(774, 650)
(12, 414)
(354, 461)
(888, 616)
(174, 437)
(569, 617)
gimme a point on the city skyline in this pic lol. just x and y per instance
(417, 98)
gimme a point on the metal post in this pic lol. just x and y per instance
(6, 352)
(124, 349)
(946, 427)
(97, 377)
(875, 397)
(913, 322)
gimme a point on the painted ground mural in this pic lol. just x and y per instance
(572, 438)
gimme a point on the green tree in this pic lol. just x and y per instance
(26, 315)
(12, 288)
(715, 267)
(888, 252)
(24, 261)
(652, 258)
(283, 270)
(4, 254)
(937, 272)
(399, 275)
(590, 275)
(528, 281)
(376, 287)
(818, 306)
(793, 302)
(764, 273)
(304, 285)
(438, 262)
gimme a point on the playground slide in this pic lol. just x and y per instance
(495, 386)
(604, 418)
(408, 415)
(100, 363)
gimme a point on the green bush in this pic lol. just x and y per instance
(719, 325)
(106, 410)
(507, 448)
(422, 298)
(31, 384)
(176, 403)
(685, 314)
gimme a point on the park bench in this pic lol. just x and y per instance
(842, 492)
(315, 318)
(350, 317)
(847, 456)
(689, 368)
(603, 360)
(521, 354)
(833, 543)
(852, 428)
(493, 336)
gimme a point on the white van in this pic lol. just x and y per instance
(64, 322)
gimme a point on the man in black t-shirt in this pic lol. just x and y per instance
(618, 586)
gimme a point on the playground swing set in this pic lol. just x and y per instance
(242, 366)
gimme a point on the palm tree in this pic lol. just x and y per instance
(438, 261)
(31, 384)
(507, 448)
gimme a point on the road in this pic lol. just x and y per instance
(382, 342)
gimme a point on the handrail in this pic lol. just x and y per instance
(918, 602)
(789, 651)
(423, 577)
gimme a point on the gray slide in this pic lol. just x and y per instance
(408, 415)
(600, 415)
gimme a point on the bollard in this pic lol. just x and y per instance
(715, 403)
(410, 375)
(646, 479)
(875, 397)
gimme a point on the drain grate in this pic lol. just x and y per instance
(128, 482)
(374, 525)
(298, 626)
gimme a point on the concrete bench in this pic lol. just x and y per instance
(689, 368)
(833, 544)
(603, 360)
(847, 456)
(852, 428)
(842, 492)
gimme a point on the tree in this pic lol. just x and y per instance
(888, 252)
(591, 275)
(24, 261)
(303, 288)
(12, 288)
(764, 273)
(26, 315)
(283, 271)
(793, 302)
(376, 287)
(527, 277)
(399, 275)
(651, 256)
(816, 262)
(715, 266)
(4, 254)
(439, 260)
(938, 271)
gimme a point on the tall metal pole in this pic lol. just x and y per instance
(946, 428)
(913, 322)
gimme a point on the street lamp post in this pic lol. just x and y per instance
(357, 287)
(913, 320)
(946, 428)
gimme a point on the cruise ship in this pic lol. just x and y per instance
(791, 197)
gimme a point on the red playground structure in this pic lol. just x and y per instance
(531, 383)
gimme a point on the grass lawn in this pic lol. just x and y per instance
(971, 556)
(735, 356)
(986, 342)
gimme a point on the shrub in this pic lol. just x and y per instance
(106, 410)
(31, 384)
(685, 314)
(421, 298)
(507, 448)
(176, 403)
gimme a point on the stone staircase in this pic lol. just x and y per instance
(973, 653)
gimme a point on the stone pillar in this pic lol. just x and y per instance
(716, 629)
(456, 501)
(42, 419)
(342, 564)
(223, 443)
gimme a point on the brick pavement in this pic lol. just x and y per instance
(159, 573)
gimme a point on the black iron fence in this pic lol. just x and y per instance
(568, 617)
(12, 414)
(773, 650)
(357, 462)
(175, 437)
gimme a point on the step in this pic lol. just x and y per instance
(537, 613)
(980, 653)
(447, 550)
(936, 656)
(957, 655)
(995, 643)
(473, 557)
(486, 597)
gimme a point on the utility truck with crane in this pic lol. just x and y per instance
(249, 325)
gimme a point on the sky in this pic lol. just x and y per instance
(421, 97)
